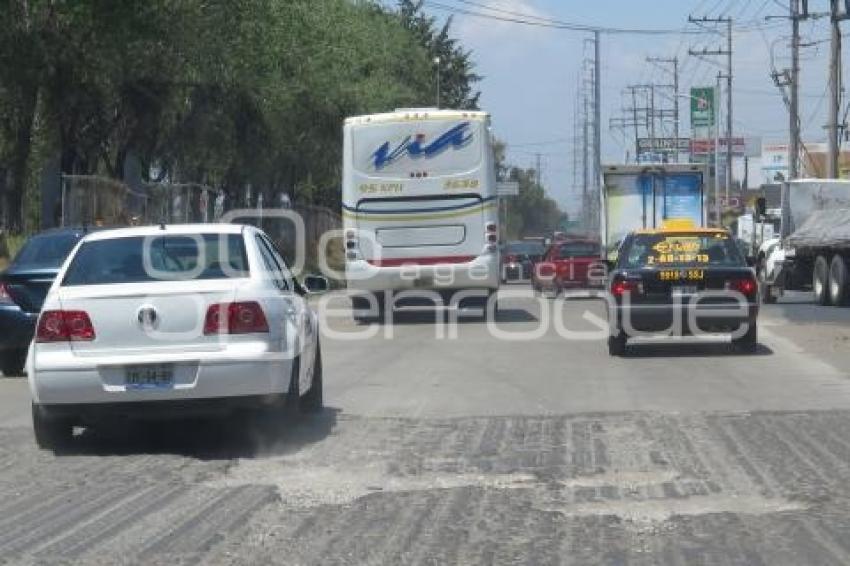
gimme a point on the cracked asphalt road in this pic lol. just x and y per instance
(474, 450)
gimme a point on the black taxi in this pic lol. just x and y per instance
(681, 280)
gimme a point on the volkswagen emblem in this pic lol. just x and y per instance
(148, 318)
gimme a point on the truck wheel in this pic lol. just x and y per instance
(820, 281)
(617, 344)
(838, 281)
(747, 342)
(766, 289)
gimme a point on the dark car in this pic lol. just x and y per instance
(682, 280)
(23, 287)
(519, 258)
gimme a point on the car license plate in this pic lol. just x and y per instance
(152, 376)
(680, 290)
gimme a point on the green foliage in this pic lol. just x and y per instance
(531, 213)
(225, 93)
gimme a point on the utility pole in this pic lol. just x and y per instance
(717, 89)
(728, 53)
(675, 63)
(794, 110)
(597, 130)
(834, 88)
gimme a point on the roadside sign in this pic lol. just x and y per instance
(507, 188)
(702, 107)
(664, 145)
(706, 145)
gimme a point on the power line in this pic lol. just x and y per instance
(528, 20)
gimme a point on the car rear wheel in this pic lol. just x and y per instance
(820, 281)
(12, 362)
(748, 341)
(312, 401)
(617, 344)
(50, 433)
(767, 296)
(838, 281)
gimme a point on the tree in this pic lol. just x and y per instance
(455, 67)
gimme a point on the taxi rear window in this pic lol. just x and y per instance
(681, 250)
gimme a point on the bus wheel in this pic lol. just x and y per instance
(820, 281)
(838, 281)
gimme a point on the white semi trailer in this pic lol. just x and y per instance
(813, 252)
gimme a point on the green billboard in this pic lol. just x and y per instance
(702, 107)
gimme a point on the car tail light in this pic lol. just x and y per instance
(622, 286)
(235, 318)
(5, 297)
(745, 286)
(64, 326)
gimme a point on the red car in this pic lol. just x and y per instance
(570, 264)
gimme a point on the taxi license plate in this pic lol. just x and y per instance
(153, 376)
(680, 290)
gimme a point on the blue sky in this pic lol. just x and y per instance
(530, 73)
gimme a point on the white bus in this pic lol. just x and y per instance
(419, 207)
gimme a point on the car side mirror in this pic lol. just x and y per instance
(316, 284)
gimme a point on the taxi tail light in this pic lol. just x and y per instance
(622, 286)
(746, 286)
(64, 326)
(245, 317)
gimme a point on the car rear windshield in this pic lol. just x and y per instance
(45, 251)
(524, 248)
(139, 259)
(578, 249)
(684, 249)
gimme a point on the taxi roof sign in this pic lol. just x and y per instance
(677, 224)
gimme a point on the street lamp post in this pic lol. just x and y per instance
(437, 64)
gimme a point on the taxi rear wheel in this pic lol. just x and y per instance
(748, 341)
(617, 344)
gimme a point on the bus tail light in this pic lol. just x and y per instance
(491, 235)
(351, 244)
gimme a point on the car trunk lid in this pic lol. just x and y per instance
(137, 318)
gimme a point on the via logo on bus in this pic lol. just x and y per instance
(457, 137)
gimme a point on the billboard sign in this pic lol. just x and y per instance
(664, 145)
(704, 146)
(702, 107)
